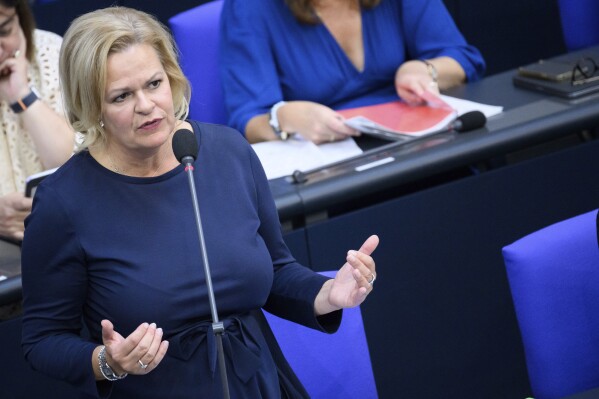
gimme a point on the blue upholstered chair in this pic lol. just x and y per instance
(554, 279)
(196, 32)
(330, 366)
(579, 23)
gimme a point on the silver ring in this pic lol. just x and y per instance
(17, 53)
(371, 282)
(142, 365)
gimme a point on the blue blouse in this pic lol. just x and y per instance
(268, 56)
(103, 245)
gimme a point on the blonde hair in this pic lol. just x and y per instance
(88, 42)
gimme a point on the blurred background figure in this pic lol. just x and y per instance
(287, 65)
(35, 135)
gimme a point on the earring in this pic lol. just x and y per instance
(101, 123)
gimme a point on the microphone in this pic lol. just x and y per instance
(185, 147)
(469, 121)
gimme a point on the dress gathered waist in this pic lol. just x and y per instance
(240, 343)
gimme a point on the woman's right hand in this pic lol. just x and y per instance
(14, 208)
(315, 122)
(143, 347)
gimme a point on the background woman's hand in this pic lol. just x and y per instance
(14, 208)
(352, 283)
(313, 121)
(412, 80)
(13, 73)
(144, 346)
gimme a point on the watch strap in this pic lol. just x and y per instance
(24, 103)
(432, 71)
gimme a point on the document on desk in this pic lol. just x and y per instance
(463, 106)
(397, 120)
(282, 158)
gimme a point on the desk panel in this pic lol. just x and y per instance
(529, 119)
(441, 321)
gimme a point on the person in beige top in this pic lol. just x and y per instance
(34, 133)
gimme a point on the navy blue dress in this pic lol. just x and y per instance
(100, 245)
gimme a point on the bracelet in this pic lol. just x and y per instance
(273, 121)
(105, 369)
(432, 71)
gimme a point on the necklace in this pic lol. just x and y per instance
(121, 171)
(161, 162)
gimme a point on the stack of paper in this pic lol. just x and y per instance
(282, 158)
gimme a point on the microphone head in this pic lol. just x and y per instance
(185, 144)
(470, 121)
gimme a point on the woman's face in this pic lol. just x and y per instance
(10, 40)
(138, 111)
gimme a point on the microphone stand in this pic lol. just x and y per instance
(218, 327)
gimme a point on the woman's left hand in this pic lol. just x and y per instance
(412, 80)
(353, 282)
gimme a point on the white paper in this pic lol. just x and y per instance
(282, 158)
(463, 106)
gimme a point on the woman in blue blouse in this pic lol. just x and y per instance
(288, 64)
(112, 241)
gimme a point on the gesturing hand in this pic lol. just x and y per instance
(352, 283)
(139, 353)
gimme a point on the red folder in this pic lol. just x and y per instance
(399, 118)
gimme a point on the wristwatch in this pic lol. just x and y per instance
(273, 121)
(25, 102)
(105, 369)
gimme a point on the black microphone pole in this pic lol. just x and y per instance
(218, 327)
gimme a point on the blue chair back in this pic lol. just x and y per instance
(329, 366)
(196, 32)
(579, 23)
(554, 279)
